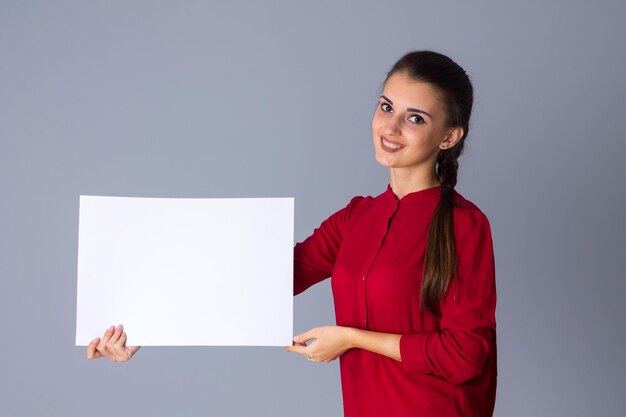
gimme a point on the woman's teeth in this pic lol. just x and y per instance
(391, 145)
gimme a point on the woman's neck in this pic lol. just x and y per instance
(403, 182)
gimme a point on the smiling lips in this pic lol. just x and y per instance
(390, 146)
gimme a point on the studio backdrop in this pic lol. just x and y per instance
(275, 99)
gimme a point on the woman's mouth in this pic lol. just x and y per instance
(390, 146)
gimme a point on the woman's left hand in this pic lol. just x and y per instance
(330, 343)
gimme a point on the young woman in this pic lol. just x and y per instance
(413, 272)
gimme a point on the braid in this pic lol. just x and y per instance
(448, 166)
(440, 262)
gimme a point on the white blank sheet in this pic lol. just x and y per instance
(186, 271)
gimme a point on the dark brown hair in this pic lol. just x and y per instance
(456, 92)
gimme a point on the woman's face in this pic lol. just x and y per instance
(409, 124)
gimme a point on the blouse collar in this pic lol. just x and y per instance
(427, 194)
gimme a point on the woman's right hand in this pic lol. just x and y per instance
(111, 346)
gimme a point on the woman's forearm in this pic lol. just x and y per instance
(387, 344)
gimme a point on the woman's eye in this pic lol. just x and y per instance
(385, 107)
(416, 119)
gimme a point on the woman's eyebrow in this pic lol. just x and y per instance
(410, 108)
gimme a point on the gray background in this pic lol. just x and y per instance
(272, 99)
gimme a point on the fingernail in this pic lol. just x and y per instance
(95, 340)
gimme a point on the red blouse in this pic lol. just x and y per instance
(374, 250)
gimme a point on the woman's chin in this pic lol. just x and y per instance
(386, 162)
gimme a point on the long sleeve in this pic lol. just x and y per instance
(314, 258)
(458, 351)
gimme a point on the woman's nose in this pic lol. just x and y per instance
(392, 126)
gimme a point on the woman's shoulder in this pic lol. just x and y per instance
(468, 217)
(464, 205)
(359, 206)
(358, 203)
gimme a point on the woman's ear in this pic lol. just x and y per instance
(452, 138)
